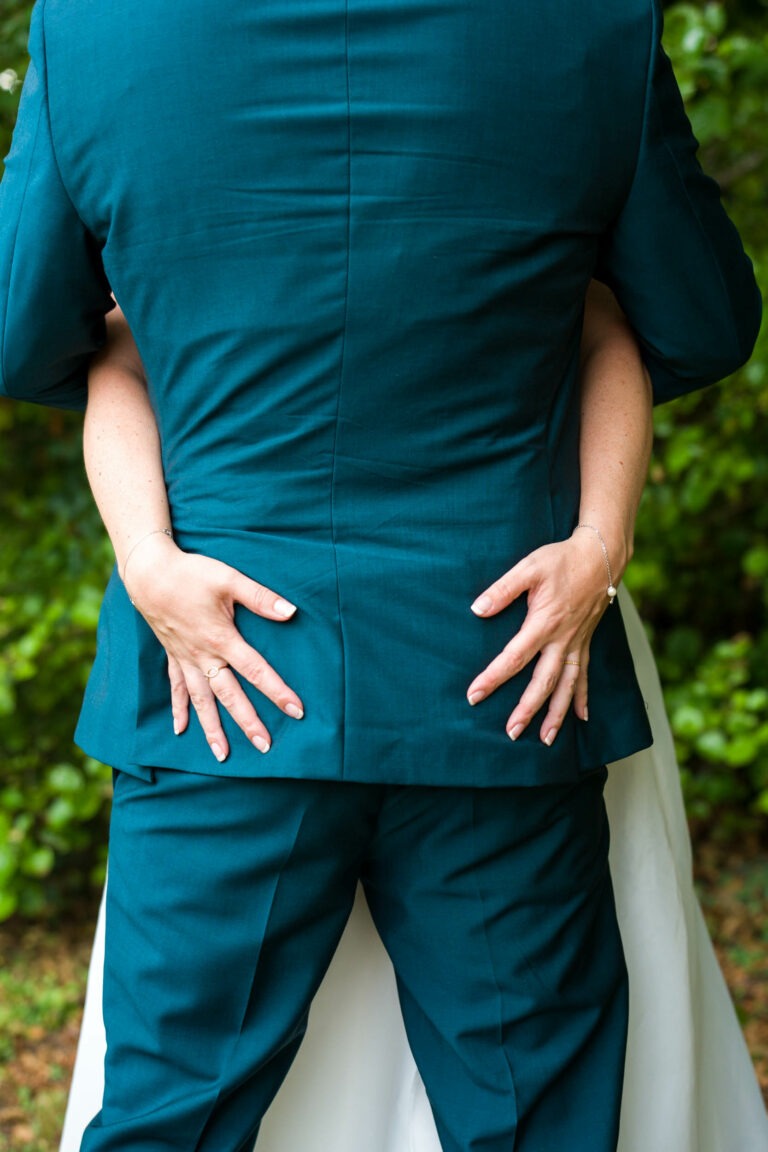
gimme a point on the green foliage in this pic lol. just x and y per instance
(699, 572)
(34, 1002)
(53, 569)
(14, 25)
(43, 969)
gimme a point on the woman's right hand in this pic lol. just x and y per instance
(189, 603)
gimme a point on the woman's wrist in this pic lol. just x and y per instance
(144, 554)
(612, 543)
(136, 544)
(610, 587)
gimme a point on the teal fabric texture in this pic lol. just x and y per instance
(226, 900)
(353, 240)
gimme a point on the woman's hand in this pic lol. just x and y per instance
(189, 603)
(566, 584)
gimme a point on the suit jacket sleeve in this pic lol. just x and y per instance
(673, 258)
(54, 293)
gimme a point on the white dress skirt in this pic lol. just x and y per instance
(689, 1085)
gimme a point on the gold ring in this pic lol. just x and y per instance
(576, 662)
(209, 675)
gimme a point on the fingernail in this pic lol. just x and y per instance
(550, 736)
(476, 696)
(513, 733)
(294, 710)
(262, 744)
(216, 749)
(586, 713)
(482, 605)
(176, 729)
(284, 607)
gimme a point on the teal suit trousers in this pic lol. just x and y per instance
(227, 898)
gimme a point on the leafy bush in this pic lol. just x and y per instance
(700, 566)
(53, 800)
(699, 573)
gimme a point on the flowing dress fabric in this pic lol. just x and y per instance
(689, 1086)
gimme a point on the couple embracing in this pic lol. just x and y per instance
(399, 286)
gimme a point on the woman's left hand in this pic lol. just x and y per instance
(566, 584)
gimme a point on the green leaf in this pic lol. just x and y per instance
(39, 862)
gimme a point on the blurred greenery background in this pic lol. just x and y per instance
(698, 576)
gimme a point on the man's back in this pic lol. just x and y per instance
(352, 241)
(375, 206)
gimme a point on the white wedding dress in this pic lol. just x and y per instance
(690, 1085)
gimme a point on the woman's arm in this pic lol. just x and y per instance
(121, 447)
(169, 587)
(616, 425)
(566, 582)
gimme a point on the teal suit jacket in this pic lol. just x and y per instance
(353, 239)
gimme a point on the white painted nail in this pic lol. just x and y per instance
(262, 744)
(482, 605)
(476, 697)
(294, 710)
(216, 749)
(513, 733)
(284, 608)
(550, 736)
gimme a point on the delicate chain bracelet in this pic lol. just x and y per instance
(154, 532)
(611, 589)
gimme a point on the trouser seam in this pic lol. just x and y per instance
(499, 992)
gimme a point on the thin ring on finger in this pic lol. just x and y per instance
(213, 671)
(569, 684)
